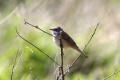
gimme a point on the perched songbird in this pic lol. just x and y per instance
(67, 41)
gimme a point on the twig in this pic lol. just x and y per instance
(36, 48)
(91, 36)
(111, 75)
(84, 47)
(37, 27)
(13, 67)
(61, 47)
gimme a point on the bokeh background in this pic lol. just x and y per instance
(78, 18)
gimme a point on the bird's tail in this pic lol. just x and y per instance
(82, 53)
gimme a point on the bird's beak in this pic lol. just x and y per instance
(50, 29)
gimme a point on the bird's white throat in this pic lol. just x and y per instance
(57, 41)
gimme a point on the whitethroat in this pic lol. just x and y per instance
(67, 41)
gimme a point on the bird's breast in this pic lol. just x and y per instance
(57, 41)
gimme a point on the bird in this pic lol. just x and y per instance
(67, 41)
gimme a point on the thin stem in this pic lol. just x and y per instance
(37, 27)
(37, 48)
(61, 47)
(111, 75)
(91, 36)
(13, 67)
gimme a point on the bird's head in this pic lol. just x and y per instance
(57, 29)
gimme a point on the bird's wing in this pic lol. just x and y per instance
(69, 40)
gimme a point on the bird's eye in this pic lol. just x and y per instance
(57, 30)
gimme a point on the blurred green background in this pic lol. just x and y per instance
(78, 18)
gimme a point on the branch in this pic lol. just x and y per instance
(36, 48)
(37, 27)
(13, 67)
(111, 75)
(61, 47)
(61, 70)
(84, 47)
